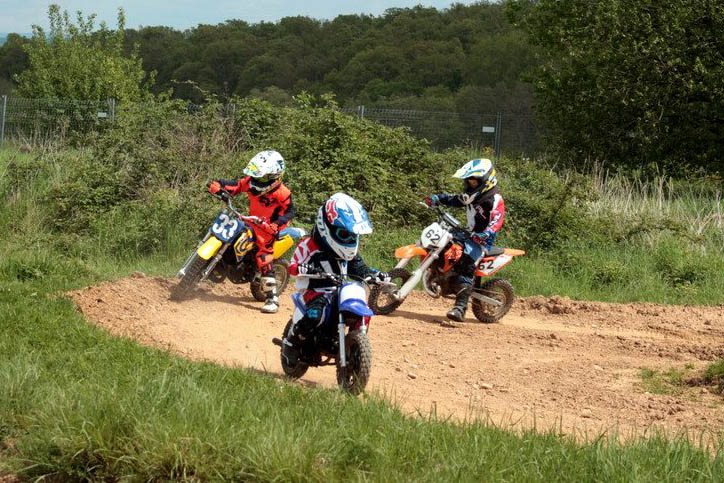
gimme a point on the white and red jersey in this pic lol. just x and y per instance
(314, 252)
(485, 213)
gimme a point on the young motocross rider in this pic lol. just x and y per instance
(332, 247)
(271, 201)
(485, 210)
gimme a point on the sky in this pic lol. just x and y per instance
(19, 15)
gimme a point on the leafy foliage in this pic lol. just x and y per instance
(74, 61)
(407, 53)
(631, 83)
(13, 60)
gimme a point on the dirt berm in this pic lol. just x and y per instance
(551, 362)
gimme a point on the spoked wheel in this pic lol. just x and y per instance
(190, 279)
(299, 369)
(381, 299)
(498, 289)
(280, 273)
(354, 377)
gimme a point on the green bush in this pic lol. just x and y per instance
(544, 209)
(714, 375)
(678, 266)
(612, 272)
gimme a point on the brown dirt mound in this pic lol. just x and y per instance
(552, 362)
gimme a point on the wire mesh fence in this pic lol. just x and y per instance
(500, 133)
(32, 118)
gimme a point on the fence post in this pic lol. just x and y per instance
(361, 112)
(2, 122)
(113, 108)
(498, 128)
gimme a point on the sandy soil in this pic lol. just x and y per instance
(550, 362)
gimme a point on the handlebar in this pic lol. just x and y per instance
(226, 197)
(447, 218)
(337, 278)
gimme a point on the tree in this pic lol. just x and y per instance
(13, 60)
(77, 62)
(632, 83)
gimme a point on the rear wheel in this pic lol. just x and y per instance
(299, 369)
(498, 289)
(354, 377)
(280, 274)
(190, 279)
(382, 300)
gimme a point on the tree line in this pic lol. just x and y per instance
(638, 85)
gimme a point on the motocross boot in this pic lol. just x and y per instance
(269, 286)
(457, 313)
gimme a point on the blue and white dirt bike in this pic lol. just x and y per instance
(341, 339)
(228, 251)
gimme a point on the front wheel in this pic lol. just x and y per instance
(382, 300)
(299, 369)
(280, 274)
(354, 377)
(190, 279)
(498, 289)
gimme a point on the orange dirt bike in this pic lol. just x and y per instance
(228, 251)
(440, 246)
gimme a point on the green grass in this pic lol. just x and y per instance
(714, 375)
(671, 381)
(78, 404)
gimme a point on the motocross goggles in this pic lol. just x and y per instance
(343, 235)
(267, 178)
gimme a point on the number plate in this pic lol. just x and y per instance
(432, 236)
(489, 267)
(225, 228)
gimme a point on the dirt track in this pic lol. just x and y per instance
(549, 362)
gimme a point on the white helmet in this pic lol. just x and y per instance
(340, 222)
(265, 169)
(481, 170)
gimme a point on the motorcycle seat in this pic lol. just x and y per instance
(494, 251)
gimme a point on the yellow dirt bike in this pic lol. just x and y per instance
(228, 252)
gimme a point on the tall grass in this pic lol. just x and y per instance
(698, 206)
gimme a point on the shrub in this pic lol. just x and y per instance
(677, 266)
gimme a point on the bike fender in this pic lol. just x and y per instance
(209, 248)
(410, 251)
(282, 245)
(514, 252)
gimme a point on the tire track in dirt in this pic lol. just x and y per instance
(551, 362)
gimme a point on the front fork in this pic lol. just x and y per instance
(342, 354)
(214, 261)
(191, 257)
(417, 274)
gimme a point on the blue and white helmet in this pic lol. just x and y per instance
(340, 222)
(481, 170)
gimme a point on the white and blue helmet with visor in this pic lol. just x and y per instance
(340, 222)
